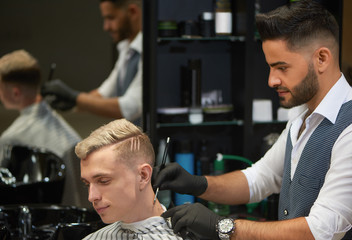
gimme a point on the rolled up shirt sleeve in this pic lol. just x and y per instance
(109, 87)
(265, 176)
(331, 214)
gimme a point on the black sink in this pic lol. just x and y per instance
(54, 222)
(31, 175)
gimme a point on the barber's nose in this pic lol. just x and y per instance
(274, 80)
(106, 26)
(93, 194)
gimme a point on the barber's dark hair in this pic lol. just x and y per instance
(123, 3)
(298, 23)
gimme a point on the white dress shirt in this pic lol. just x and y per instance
(331, 214)
(131, 102)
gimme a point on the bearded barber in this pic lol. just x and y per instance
(120, 95)
(310, 164)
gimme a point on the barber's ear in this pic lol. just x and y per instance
(132, 9)
(323, 57)
(145, 173)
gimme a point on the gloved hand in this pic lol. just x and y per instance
(59, 95)
(195, 218)
(176, 178)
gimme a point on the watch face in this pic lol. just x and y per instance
(226, 225)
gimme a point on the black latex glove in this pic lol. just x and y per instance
(195, 218)
(176, 178)
(59, 95)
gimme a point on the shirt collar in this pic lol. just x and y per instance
(122, 45)
(34, 107)
(330, 106)
(136, 44)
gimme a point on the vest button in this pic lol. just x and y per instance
(285, 212)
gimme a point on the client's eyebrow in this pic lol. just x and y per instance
(98, 175)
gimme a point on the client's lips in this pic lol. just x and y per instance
(101, 209)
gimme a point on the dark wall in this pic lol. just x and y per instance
(66, 32)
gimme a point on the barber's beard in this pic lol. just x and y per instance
(125, 31)
(303, 92)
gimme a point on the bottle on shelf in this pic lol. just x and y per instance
(185, 157)
(195, 111)
(204, 159)
(204, 164)
(256, 11)
(220, 209)
(207, 24)
(223, 17)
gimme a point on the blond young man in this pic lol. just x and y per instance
(37, 125)
(116, 166)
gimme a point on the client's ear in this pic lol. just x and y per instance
(145, 173)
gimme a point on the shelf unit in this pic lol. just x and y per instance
(231, 60)
(241, 73)
(217, 38)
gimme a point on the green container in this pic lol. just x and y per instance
(220, 209)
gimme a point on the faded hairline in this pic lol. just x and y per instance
(301, 25)
(124, 3)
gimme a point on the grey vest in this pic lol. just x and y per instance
(297, 196)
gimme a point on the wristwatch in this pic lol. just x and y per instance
(225, 228)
